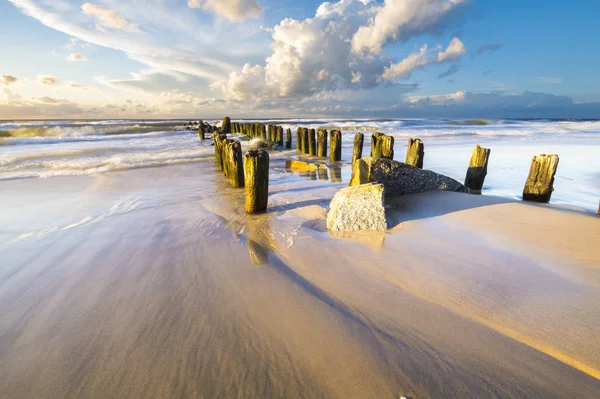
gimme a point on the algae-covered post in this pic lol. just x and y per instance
(322, 143)
(218, 139)
(256, 176)
(386, 146)
(288, 138)
(201, 134)
(415, 153)
(235, 163)
(312, 142)
(305, 142)
(375, 147)
(540, 182)
(335, 152)
(299, 139)
(280, 135)
(226, 126)
(359, 139)
(477, 168)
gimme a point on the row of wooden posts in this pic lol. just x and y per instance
(253, 174)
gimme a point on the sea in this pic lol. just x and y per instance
(46, 149)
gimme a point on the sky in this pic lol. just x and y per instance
(283, 58)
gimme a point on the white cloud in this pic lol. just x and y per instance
(455, 50)
(107, 18)
(48, 80)
(398, 20)
(76, 57)
(7, 80)
(234, 10)
(403, 69)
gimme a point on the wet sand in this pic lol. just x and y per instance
(154, 283)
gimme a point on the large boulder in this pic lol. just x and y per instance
(357, 208)
(399, 178)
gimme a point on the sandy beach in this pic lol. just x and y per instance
(157, 284)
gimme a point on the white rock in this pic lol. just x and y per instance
(357, 208)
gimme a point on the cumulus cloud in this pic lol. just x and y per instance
(399, 20)
(76, 57)
(7, 80)
(234, 10)
(107, 18)
(48, 80)
(310, 56)
(403, 69)
(455, 50)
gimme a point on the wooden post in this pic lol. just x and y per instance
(280, 135)
(256, 175)
(201, 134)
(335, 152)
(305, 144)
(477, 168)
(226, 126)
(415, 153)
(322, 143)
(359, 139)
(539, 185)
(375, 144)
(235, 163)
(218, 139)
(225, 155)
(288, 138)
(262, 133)
(382, 146)
(312, 142)
(299, 139)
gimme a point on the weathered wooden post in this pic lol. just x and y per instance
(322, 143)
(201, 134)
(257, 181)
(288, 138)
(375, 148)
(305, 143)
(235, 163)
(335, 151)
(280, 135)
(218, 139)
(415, 153)
(382, 146)
(225, 155)
(477, 168)
(262, 133)
(359, 139)
(312, 142)
(299, 139)
(226, 127)
(539, 185)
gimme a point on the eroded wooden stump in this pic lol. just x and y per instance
(312, 142)
(235, 163)
(256, 175)
(477, 168)
(218, 139)
(359, 139)
(322, 143)
(540, 182)
(305, 142)
(201, 133)
(288, 138)
(226, 126)
(335, 149)
(415, 153)
(299, 139)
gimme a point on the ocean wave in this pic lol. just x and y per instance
(40, 166)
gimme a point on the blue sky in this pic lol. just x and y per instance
(263, 58)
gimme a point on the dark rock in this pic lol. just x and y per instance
(399, 178)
